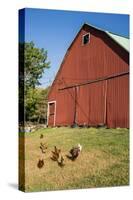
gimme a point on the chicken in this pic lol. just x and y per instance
(43, 147)
(41, 136)
(61, 162)
(55, 154)
(75, 151)
(40, 163)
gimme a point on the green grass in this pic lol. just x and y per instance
(104, 160)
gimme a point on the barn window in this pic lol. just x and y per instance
(86, 38)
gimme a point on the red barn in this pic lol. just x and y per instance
(91, 87)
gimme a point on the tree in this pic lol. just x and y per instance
(32, 64)
(36, 104)
(35, 62)
(41, 108)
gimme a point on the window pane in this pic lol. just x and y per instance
(86, 39)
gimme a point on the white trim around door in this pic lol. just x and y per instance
(50, 102)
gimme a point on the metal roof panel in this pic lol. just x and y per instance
(123, 41)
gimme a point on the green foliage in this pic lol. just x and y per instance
(34, 65)
(41, 110)
(36, 104)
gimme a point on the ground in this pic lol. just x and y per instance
(104, 160)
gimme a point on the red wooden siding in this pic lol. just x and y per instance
(95, 102)
(118, 102)
(51, 120)
(65, 107)
(91, 104)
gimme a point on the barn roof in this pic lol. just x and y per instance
(121, 40)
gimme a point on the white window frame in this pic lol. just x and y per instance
(83, 38)
(49, 112)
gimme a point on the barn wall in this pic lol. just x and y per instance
(91, 104)
(65, 107)
(101, 57)
(118, 102)
(51, 120)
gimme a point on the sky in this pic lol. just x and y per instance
(54, 30)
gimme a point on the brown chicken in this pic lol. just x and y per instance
(43, 147)
(41, 136)
(61, 162)
(40, 163)
(55, 154)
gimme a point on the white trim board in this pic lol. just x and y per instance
(54, 112)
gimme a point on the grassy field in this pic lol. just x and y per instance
(104, 160)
